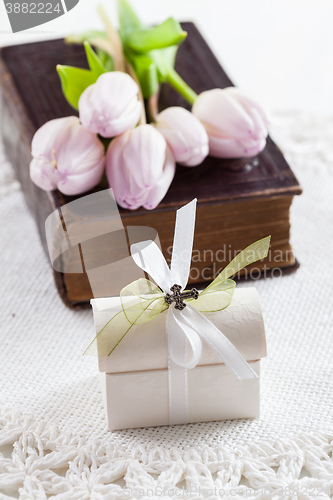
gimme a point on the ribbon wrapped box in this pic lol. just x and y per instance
(171, 357)
(135, 376)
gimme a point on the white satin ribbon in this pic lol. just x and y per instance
(186, 328)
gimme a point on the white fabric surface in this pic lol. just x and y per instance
(53, 437)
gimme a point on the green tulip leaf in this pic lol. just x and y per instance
(95, 64)
(146, 72)
(151, 51)
(90, 35)
(164, 59)
(74, 82)
(128, 20)
(164, 35)
(105, 59)
(169, 55)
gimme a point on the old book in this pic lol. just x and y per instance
(239, 200)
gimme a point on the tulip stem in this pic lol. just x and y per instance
(152, 107)
(180, 86)
(114, 41)
(131, 72)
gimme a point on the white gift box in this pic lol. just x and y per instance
(135, 376)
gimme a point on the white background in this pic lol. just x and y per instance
(280, 50)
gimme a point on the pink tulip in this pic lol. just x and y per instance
(236, 124)
(66, 156)
(139, 168)
(185, 135)
(110, 106)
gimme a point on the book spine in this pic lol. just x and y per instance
(16, 132)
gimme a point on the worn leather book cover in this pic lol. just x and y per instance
(239, 200)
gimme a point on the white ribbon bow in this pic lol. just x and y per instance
(185, 328)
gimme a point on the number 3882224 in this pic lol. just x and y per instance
(33, 8)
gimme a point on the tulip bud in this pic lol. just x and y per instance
(139, 168)
(110, 106)
(235, 123)
(184, 134)
(66, 156)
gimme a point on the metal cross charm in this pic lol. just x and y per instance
(178, 297)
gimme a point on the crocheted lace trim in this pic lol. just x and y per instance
(38, 462)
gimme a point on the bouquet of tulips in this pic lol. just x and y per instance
(126, 68)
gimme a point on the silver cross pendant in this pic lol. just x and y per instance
(178, 297)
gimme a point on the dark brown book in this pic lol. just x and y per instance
(239, 200)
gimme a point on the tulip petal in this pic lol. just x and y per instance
(111, 105)
(247, 102)
(260, 128)
(67, 156)
(40, 176)
(218, 109)
(80, 183)
(82, 150)
(157, 193)
(120, 175)
(145, 155)
(221, 147)
(116, 174)
(139, 167)
(234, 122)
(197, 156)
(50, 135)
(185, 135)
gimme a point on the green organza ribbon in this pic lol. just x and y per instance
(143, 301)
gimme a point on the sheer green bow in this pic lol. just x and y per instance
(143, 301)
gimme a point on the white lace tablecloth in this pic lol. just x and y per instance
(53, 437)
